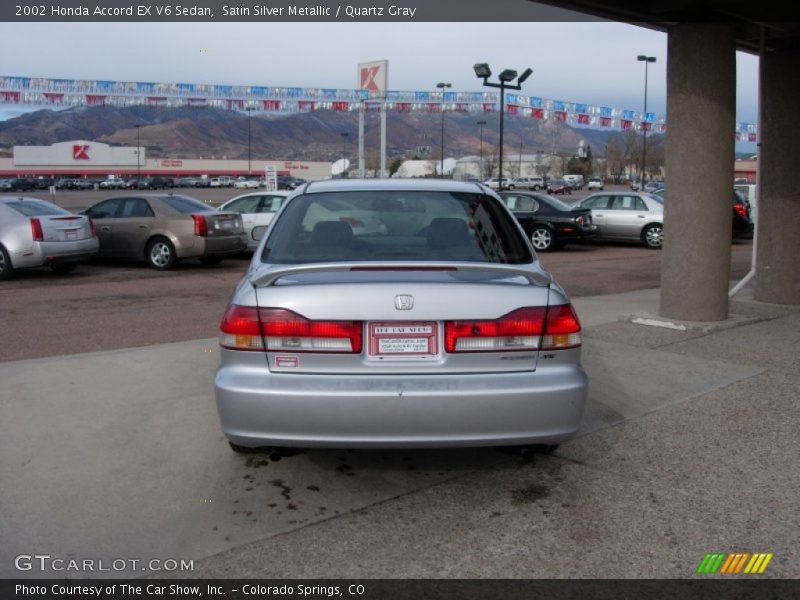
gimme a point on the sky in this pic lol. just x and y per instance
(587, 62)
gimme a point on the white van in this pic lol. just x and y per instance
(574, 181)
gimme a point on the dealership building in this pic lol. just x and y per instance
(95, 160)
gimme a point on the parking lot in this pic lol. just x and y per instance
(111, 439)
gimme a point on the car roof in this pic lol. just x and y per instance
(410, 185)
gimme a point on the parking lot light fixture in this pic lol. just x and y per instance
(138, 157)
(642, 172)
(482, 71)
(480, 164)
(249, 109)
(442, 86)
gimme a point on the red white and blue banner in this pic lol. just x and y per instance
(37, 91)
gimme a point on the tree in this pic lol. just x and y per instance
(395, 166)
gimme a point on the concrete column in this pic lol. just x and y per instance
(701, 109)
(778, 259)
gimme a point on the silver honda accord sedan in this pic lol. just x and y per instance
(397, 313)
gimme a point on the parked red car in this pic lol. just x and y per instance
(558, 186)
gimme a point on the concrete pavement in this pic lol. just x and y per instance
(689, 445)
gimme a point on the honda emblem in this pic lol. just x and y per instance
(404, 302)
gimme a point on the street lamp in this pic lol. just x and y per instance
(249, 109)
(344, 149)
(482, 71)
(138, 158)
(646, 60)
(480, 164)
(442, 86)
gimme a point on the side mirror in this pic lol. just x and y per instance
(258, 232)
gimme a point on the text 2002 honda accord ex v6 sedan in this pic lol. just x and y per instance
(391, 313)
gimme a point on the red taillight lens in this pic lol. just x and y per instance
(242, 328)
(91, 228)
(740, 209)
(200, 225)
(287, 331)
(36, 230)
(518, 330)
(562, 328)
(525, 329)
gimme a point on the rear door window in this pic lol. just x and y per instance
(396, 226)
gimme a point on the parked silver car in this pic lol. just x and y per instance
(257, 210)
(633, 216)
(35, 232)
(440, 328)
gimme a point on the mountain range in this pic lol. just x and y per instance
(312, 136)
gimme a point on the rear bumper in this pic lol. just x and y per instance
(42, 253)
(260, 408)
(214, 246)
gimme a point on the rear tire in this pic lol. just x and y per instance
(160, 254)
(6, 268)
(243, 449)
(542, 238)
(63, 268)
(653, 236)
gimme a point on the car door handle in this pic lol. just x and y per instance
(105, 228)
(640, 216)
(598, 215)
(142, 226)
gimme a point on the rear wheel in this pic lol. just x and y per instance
(6, 268)
(58, 267)
(161, 254)
(542, 238)
(653, 236)
(244, 449)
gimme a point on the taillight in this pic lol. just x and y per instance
(562, 328)
(518, 330)
(91, 227)
(740, 209)
(200, 225)
(242, 328)
(525, 329)
(36, 230)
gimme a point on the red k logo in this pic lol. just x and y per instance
(80, 152)
(368, 78)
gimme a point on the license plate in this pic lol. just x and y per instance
(403, 339)
(71, 234)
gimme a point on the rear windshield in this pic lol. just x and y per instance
(184, 204)
(395, 226)
(35, 208)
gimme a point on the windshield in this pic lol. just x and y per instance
(36, 208)
(395, 226)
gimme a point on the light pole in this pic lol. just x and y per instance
(249, 109)
(482, 71)
(646, 60)
(442, 86)
(344, 149)
(480, 164)
(138, 158)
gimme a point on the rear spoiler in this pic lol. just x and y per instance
(266, 276)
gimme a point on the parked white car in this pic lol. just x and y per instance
(247, 184)
(257, 211)
(595, 183)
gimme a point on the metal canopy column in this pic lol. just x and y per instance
(778, 261)
(701, 102)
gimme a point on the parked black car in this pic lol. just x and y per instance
(288, 182)
(549, 222)
(742, 224)
(21, 184)
(156, 183)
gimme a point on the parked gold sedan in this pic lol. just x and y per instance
(162, 229)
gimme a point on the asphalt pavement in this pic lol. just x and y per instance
(688, 446)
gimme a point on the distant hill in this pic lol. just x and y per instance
(214, 133)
